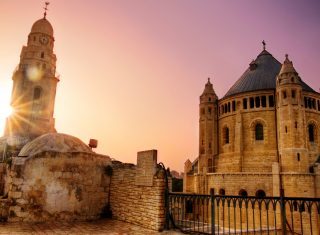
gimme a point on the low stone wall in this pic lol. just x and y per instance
(137, 192)
(50, 185)
(85, 186)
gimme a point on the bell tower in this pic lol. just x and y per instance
(208, 144)
(34, 84)
(291, 120)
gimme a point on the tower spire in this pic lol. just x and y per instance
(45, 9)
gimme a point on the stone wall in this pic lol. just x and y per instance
(137, 192)
(2, 178)
(51, 185)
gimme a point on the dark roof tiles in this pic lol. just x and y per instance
(261, 75)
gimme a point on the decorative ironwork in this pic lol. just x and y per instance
(219, 214)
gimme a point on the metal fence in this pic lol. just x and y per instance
(213, 214)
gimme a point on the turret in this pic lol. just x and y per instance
(208, 126)
(34, 85)
(291, 120)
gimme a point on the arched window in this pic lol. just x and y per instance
(243, 193)
(222, 191)
(226, 135)
(311, 132)
(259, 131)
(37, 93)
(260, 193)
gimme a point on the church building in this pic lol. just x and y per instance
(262, 136)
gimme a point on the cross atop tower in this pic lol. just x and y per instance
(264, 44)
(45, 9)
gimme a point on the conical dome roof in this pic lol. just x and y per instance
(261, 75)
(42, 26)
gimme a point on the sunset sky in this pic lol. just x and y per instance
(131, 71)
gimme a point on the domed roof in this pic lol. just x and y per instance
(261, 75)
(54, 142)
(42, 26)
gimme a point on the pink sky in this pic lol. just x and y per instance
(132, 71)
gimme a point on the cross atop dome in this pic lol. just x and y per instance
(45, 9)
(264, 45)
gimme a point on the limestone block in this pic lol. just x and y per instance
(146, 167)
(15, 194)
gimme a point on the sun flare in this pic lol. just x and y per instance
(5, 108)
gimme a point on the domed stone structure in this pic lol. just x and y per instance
(54, 142)
(42, 26)
(264, 134)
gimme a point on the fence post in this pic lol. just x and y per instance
(166, 203)
(212, 212)
(283, 212)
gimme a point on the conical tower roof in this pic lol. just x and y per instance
(208, 88)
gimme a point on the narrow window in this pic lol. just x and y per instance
(226, 135)
(257, 102)
(225, 108)
(259, 131)
(244, 103)
(229, 107)
(311, 132)
(251, 102)
(311, 169)
(209, 145)
(243, 193)
(298, 157)
(305, 102)
(263, 101)
(271, 101)
(293, 94)
(318, 105)
(309, 103)
(203, 111)
(209, 110)
(233, 106)
(37, 93)
(42, 55)
(34, 38)
(222, 192)
(314, 104)
(296, 125)
(284, 94)
(211, 191)
(260, 193)
(209, 99)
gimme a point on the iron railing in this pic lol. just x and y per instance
(216, 214)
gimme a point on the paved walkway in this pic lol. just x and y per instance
(103, 226)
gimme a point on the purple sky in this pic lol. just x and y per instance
(132, 71)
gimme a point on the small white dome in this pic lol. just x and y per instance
(54, 142)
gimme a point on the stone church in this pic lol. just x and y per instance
(45, 175)
(262, 136)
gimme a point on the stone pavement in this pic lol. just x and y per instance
(102, 226)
